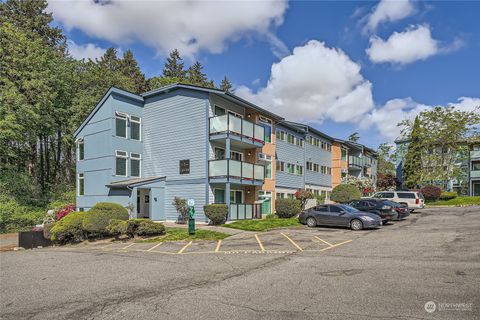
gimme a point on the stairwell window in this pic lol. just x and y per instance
(81, 149)
(121, 163)
(135, 127)
(81, 184)
(135, 164)
(121, 124)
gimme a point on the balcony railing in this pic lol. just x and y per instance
(355, 162)
(241, 211)
(475, 154)
(236, 171)
(235, 126)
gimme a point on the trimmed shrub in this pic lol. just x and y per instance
(117, 227)
(98, 218)
(69, 229)
(144, 227)
(217, 213)
(448, 195)
(149, 228)
(15, 216)
(270, 217)
(345, 193)
(287, 208)
(431, 193)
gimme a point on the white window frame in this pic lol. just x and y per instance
(242, 156)
(121, 115)
(215, 106)
(139, 121)
(79, 142)
(133, 156)
(282, 135)
(270, 163)
(81, 176)
(117, 155)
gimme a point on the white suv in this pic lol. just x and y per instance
(413, 200)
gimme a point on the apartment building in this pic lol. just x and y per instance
(177, 141)
(304, 160)
(474, 169)
(142, 151)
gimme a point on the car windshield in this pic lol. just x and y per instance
(348, 208)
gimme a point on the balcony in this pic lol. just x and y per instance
(475, 174)
(355, 162)
(475, 154)
(241, 211)
(242, 132)
(238, 172)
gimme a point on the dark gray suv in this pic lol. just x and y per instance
(339, 215)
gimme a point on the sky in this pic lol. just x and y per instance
(340, 66)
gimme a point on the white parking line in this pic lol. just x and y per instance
(155, 246)
(128, 246)
(185, 247)
(327, 243)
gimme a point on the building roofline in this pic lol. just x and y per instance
(110, 91)
(215, 91)
(134, 182)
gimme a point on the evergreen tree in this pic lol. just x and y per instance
(196, 77)
(129, 68)
(225, 85)
(354, 137)
(412, 166)
(174, 66)
(110, 60)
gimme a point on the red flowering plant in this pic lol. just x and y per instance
(65, 211)
(303, 196)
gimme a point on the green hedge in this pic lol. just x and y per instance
(144, 227)
(217, 213)
(117, 227)
(98, 218)
(287, 208)
(345, 193)
(448, 195)
(16, 217)
(69, 229)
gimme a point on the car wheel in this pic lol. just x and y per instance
(311, 222)
(356, 225)
(411, 210)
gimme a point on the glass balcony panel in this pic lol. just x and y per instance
(248, 211)
(235, 168)
(259, 172)
(218, 168)
(233, 212)
(219, 124)
(235, 124)
(474, 154)
(259, 133)
(248, 129)
(247, 170)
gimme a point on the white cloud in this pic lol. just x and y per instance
(415, 43)
(385, 118)
(189, 26)
(314, 83)
(388, 10)
(85, 51)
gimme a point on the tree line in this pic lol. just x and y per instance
(45, 94)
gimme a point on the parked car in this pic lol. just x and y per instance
(412, 199)
(383, 208)
(339, 215)
(401, 209)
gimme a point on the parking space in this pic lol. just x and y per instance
(279, 242)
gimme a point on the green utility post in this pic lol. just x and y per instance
(191, 213)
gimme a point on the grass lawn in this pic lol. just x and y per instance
(176, 234)
(264, 224)
(458, 201)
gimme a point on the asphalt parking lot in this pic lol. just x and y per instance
(321, 273)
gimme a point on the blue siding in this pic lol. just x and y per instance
(321, 157)
(175, 128)
(290, 153)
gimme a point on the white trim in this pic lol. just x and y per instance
(234, 196)
(78, 183)
(121, 115)
(231, 151)
(79, 142)
(139, 121)
(139, 158)
(126, 162)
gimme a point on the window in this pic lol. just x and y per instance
(309, 166)
(267, 125)
(81, 184)
(236, 155)
(299, 170)
(290, 168)
(299, 142)
(475, 165)
(219, 196)
(388, 195)
(135, 127)
(236, 196)
(280, 195)
(268, 170)
(219, 111)
(219, 154)
(121, 124)
(321, 208)
(280, 135)
(291, 138)
(121, 163)
(81, 149)
(135, 164)
(316, 167)
(280, 166)
(405, 195)
(335, 209)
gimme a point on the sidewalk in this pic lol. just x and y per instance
(204, 226)
(8, 241)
